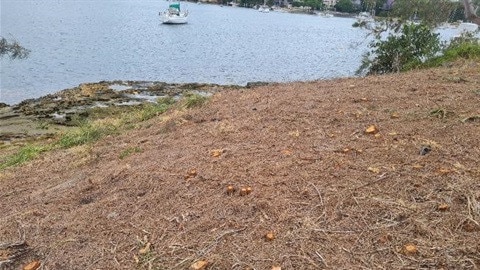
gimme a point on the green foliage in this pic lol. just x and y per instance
(430, 12)
(194, 100)
(13, 49)
(152, 110)
(401, 51)
(168, 100)
(345, 6)
(314, 4)
(466, 46)
(88, 131)
(84, 134)
(372, 5)
(25, 154)
(250, 3)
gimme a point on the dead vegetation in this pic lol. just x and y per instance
(338, 175)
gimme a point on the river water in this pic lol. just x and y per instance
(77, 41)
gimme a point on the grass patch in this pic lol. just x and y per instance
(25, 154)
(152, 110)
(84, 134)
(194, 100)
(98, 123)
(129, 151)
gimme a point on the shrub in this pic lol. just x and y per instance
(408, 49)
(467, 46)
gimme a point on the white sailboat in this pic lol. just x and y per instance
(174, 15)
(264, 8)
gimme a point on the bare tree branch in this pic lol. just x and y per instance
(470, 12)
(12, 49)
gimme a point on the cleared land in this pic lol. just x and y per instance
(325, 193)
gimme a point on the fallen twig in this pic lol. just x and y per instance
(380, 178)
(215, 242)
(322, 260)
(318, 192)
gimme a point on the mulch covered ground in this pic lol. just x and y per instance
(324, 193)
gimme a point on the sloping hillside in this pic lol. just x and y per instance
(325, 193)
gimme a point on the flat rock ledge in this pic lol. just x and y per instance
(25, 120)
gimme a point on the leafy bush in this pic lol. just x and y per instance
(467, 46)
(408, 49)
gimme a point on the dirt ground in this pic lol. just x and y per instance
(324, 193)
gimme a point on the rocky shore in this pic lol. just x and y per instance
(29, 118)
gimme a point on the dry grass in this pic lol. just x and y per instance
(333, 196)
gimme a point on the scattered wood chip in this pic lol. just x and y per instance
(287, 152)
(276, 268)
(216, 152)
(230, 190)
(371, 129)
(394, 115)
(443, 207)
(191, 173)
(373, 169)
(32, 266)
(270, 236)
(199, 265)
(410, 249)
(145, 249)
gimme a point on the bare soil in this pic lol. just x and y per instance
(325, 194)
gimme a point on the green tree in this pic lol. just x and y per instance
(434, 12)
(372, 6)
(12, 49)
(314, 4)
(345, 6)
(430, 12)
(401, 51)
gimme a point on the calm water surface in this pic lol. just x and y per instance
(73, 42)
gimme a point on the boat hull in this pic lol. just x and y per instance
(174, 19)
